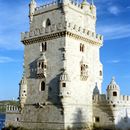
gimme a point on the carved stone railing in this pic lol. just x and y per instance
(12, 109)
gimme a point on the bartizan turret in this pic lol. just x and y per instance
(93, 8)
(42, 66)
(96, 90)
(32, 7)
(23, 91)
(113, 92)
(64, 88)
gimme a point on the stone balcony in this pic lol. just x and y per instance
(12, 109)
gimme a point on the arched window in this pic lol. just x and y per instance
(83, 71)
(115, 94)
(43, 86)
(100, 73)
(43, 47)
(42, 65)
(39, 65)
(81, 47)
(48, 22)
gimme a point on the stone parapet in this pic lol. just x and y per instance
(125, 99)
(75, 5)
(99, 99)
(46, 7)
(73, 30)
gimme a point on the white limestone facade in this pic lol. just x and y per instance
(62, 56)
(61, 84)
(111, 110)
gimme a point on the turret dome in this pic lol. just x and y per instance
(96, 90)
(113, 85)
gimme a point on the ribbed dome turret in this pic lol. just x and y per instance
(96, 90)
(113, 92)
(113, 85)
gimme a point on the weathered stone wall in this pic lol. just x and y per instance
(111, 114)
(69, 26)
(48, 117)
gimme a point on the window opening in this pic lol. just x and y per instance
(63, 84)
(43, 47)
(48, 22)
(97, 119)
(100, 73)
(81, 47)
(42, 86)
(42, 65)
(114, 93)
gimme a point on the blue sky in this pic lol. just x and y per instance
(113, 21)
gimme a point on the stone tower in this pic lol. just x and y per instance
(62, 66)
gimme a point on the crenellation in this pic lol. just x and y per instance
(102, 99)
(124, 98)
(80, 6)
(99, 99)
(77, 6)
(46, 6)
(67, 26)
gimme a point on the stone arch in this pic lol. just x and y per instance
(42, 86)
(48, 22)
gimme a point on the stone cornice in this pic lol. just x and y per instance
(52, 36)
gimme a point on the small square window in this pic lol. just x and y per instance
(115, 94)
(63, 84)
(97, 119)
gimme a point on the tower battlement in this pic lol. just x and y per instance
(71, 28)
(102, 99)
(125, 99)
(75, 5)
(46, 6)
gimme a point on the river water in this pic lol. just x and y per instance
(2, 120)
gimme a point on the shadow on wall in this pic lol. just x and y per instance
(33, 69)
(53, 91)
(103, 113)
(79, 122)
(108, 116)
(123, 123)
(52, 88)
